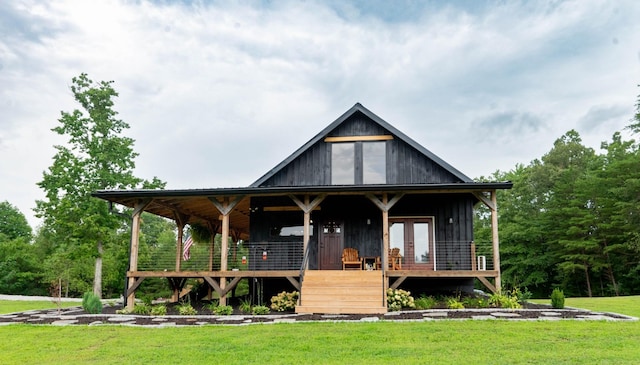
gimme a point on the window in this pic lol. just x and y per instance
(374, 166)
(342, 163)
(358, 163)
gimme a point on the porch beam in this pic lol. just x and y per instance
(307, 206)
(442, 273)
(487, 201)
(294, 282)
(383, 204)
(398, 281)
(226, 206)
(214, 274)
(134, 245)
(213, 284)
(134, 286)
(488, 284)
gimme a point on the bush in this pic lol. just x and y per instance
(454, 303)
(259, 310)
(522, 296)
(185, 309)
(142, 309)
(471, 302)
(500, 300)
(223, 310)
(284, 301)
(425, 302)
(557, 298)
(398, 299)
(159, 310)
(245, 306)
(91, 303)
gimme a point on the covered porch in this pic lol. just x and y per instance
(238, 214)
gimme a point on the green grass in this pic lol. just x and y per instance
(10, 306)
(442, 342)
(624, 305)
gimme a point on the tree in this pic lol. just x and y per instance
(96, 156)
(13, 224)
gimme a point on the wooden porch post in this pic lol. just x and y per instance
(495, 240)
(307, 207)
(385, 242)
(223, 252)
(133, 254)
(225, 207)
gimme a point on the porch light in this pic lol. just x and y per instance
(450, 220)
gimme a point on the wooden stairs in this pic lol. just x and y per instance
(342, 292)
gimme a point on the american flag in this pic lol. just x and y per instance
(186, 248)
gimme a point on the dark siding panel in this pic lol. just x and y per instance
(411, 167)
(452, 239)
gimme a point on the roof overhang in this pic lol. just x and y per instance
(197, 205)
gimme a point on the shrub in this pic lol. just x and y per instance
(212, 306)
(159, 310)
(91, 303)
(284, 301)
(142, 309)
(122, 311)
(425, 302)
(245, 306)
(185, 309)
(557, 298)
(454, 303)
(522, 296)
(500, 300)
(471, 302)
(223, 310)
(260, 310)
(398, 299)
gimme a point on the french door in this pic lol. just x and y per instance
(414, 237)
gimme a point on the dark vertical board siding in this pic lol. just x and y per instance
(452, 240)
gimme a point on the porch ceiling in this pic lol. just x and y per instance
(197, 204)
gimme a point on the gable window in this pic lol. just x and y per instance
(358, 163)
(342, 163)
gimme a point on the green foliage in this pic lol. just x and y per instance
(284, 301)
(245, 305)
(454, 303)
(398, 299)
(223, 310)
(20, 268)
(473, 302)
(142, 309)
(557, 298)
(159, 310)
(13, 223)
(185, 309)
(425, 302)
(259, 310)
(91, 303)
(500, 300)
(96, 156)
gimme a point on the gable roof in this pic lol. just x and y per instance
(354, 109)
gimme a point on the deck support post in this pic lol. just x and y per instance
(130, 298)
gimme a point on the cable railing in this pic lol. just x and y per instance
(255, 256)
(274, 256)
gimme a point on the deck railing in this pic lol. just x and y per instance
(262, 256)
(457, 255)
(273, 256)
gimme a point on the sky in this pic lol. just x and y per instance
(217, 93)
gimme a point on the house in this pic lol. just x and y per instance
(360, 183)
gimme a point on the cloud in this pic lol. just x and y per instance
(218, 93)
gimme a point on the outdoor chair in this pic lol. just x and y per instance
(351, 259)
(395, 259)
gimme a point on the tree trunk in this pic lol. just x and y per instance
(586, 273)
(97, 276)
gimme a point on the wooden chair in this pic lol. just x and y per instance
(351, 259)
(395, 259)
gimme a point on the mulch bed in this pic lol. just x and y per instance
(77, 316)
